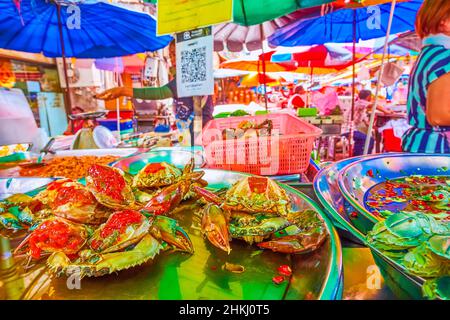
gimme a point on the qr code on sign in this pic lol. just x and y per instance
(193, 65)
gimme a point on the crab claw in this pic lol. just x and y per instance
(294, 244)
(215, 227)
(169, 231)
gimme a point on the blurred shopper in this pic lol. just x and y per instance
(429, 84)
(297, 100)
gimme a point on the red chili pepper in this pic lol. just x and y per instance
(278, 279)
(285, 270)
(370, 173)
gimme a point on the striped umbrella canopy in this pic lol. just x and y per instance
(50, 27)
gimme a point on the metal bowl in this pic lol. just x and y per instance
(404, 285)
(357, 178)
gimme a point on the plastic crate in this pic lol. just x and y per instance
(286, 151)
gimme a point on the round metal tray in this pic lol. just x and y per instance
(403, 285)
(316, 275)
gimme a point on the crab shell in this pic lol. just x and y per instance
(122, 229)
(257, 194)
(156, 175)
(55, 235)
(110, 186)
(440, 245)
(421, 261)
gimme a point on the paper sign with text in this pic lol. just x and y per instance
(181, 15)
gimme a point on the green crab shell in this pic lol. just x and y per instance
(116, 242)
(382, 237)
(264, 227)
(164, 177)
(440, 245)
(423, 262)
(439, 287)
(241, 198)
(93, 264)
(18, 199)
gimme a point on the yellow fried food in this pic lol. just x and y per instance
(68, 167)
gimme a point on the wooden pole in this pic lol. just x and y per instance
(68, 99)
(386, 43)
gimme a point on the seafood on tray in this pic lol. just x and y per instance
(418, 242)
(127, 239)
(117, 221)
(248, 129)
(257, 210)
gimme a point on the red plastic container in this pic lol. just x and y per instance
(391, 142)
(286, 151)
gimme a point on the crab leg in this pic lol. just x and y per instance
(208, 195)
(95, 265)
(306, 234)
(215, 227)
(294, 244)
(167, 199)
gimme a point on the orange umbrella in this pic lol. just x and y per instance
(256, 65)
(257, 79)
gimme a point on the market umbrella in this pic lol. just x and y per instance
(128, 64)
(313, 60)
(256, 65)
(256, 79)
(252, 12)
(259, 65)
(51, 27)
(351, 25)
(235, 37)
(337, 27)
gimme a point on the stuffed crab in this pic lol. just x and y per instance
(156, 175)
(127, 239)
(110, 186)
(62, 198)
(257, 210)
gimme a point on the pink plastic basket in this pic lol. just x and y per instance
(286, 151)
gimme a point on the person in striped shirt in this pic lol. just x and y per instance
(429, 85)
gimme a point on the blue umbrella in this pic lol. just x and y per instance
(103, 30)
(338, 27)
(81, 29)
(351, 25)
